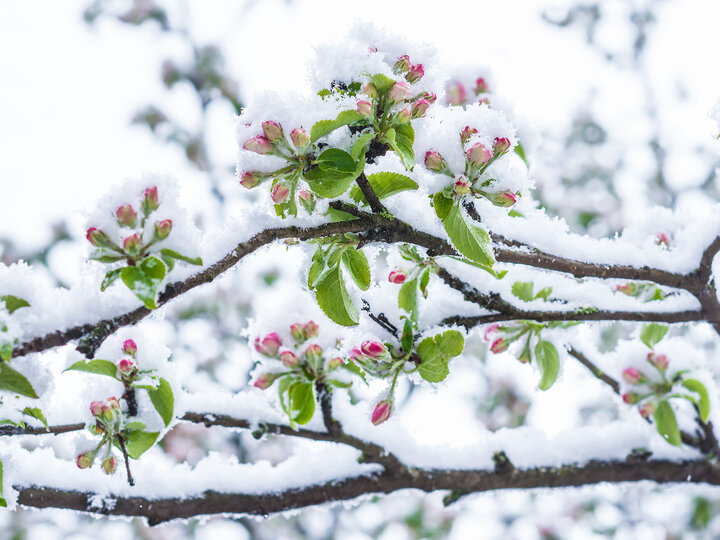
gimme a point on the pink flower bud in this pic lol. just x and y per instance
(129, 347)
(299, 138)
(297, 332)
(627, 288)
(249, 179)
(499, 345)
(478, 155)
(273, 131)
(415, 73)
(162, 229)
(355, 354)
(382, 412)
(289, 359)
(114, 403)
(125, 366)
(264, 381)
(434, 161)
(397, 277)
(429, 96)
(504, 198)
(307, 200)
(109, 464)
(401, 65)
(279, 193)
(632, 376)
(364, 108)
(481, 86)
(490, 330)
(313, 354)
(466, 133)
(335, 363)
(456, 93)
(97, 238)
(648, 409)
(630, 398)
(96, 408)
(419, 108)
(662, 239)
(501, 145)
(373, 349)
(107, 414)
(310, 329)
(370, 90)
(660, 361)
(126, 216)
(372, 49)
(258, 144)
(462, 186)
(150, 199)
(404, 115)
(400, 91)
(269, 345)
(133, 244)
(85, 460)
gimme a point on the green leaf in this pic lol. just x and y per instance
(544, 293)
(99, 367)
(138, 442)
(520, 151)
(424, 280)
(323, 127)
(13, 303)
(110, 278)
(339, 384)
(470, 240)
(333, 298)
(357, 264)
(704, 402)
(334, 159)
(382, 83)
(6, 350)
(352, 367)
(297, 399)
(407, 339)
(163, 400)
(407, 299)
(548, 362)
(14, 381)
(523, 290)
(144, 279)
(442, 205)
(384, 184)
(333, 258)
(339, 215)
(170, 254)
(332, 183)
(316, 270)
(401, 141)
(36, 413)
(3, 502)
(435, 353)
(134, 426)
(652, 333)
(666, 423)
(359, 146)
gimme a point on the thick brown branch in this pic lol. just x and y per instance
(370, 196)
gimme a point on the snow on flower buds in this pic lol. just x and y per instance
(310, 329)
(397, 277)
(126, 216)
(401, 65)
(434, 161)
(264, 381)
(289, 359)
(364, 108)
(662, 239)
(370, 90)
(429, 96)
(150, 200)
(648, 409)
(279, 193)
(355, 354)
(258, 144)
(633, 376)
(313, 354)
(133, 244)
(501, 145)
(129, 347)
(499, 345)
(466, 133)
(382, 412)
(162, 229)
(85, 460)
(297, 332)
(299, 138)
(273, 131)
(630, 398)
(415, 73)
(335, 363)
(125, 366)
(400, 91)
(249, 180)
(481, 86)
(109, 464)
(307, 200)
(660, 361)
(269, 345)
(97, 238)
(96, 408)
(419, 107)
(462, 186)
(373, 349)
(478, 154)
(456, 94)
(504, 198)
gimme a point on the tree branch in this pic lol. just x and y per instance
(370, 196)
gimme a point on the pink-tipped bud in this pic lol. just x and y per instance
(85, 460)
(466, 133)
(405, 115)
(648, 409)
(660, 361)
(373, 349)
(355, 354)
(370, 90)
(114, 403)
(133, 244)
(478, 155)
(630, 398)
(96, 408)
(462, 186)
(264, 381)
(249, 179)
(456, 94)
(109, 464)
(400, 91)
(364, 108)
(501, 145)
(382, 412)
(401, 65)
(419, 108)
(481, 86)
(162, 229)
(273, 131)
(504, 198)
(258, 144)
(97, 238)
(310, 329)
(499, 345)
(627, 288)
(125, 366)
(415, 73)
(397, 277)
(372, 49)
(269, 345)
(490, 330)
(288, 359)
(307, 200)
(299, 138)
(335, 363)
(126, 216)
(297, 332)
(429, 96)
(313, 354)
(150, 200)
(632, 376)
(107, 413)
(525, 357)
(279, 193)
(129, 347)
(434, 161)
(662, 240)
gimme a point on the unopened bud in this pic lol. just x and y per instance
(501, 145)
(307, 200)
(98, 238)
(503, 198)
(258, 144)
(273, 131)
(85, 460)
(632, 376)
(499, 345)
(279, 193)
(114, 403)
(125, 366)
(297, 332)
(133, 244)
(401, 65)
(96, 408)
(107, 413)
(525, 356)
(480, 86)
(419, 108)
(630, 398)
(431, 97)
(300, 138)
(370, 90)
(129, 347)
(109, 464)
(466, 133)
(264, 381)
(150, 200)
(269, 345)
(162, 229)
(400, 91)
(490, 330)
(462, 186)
(662, 240)
(335, 363)
(660, 361)
(288, 359)
(648, 409)
(627, 288)
(382, 412)
(373, 349)
(397, 277)
(364, 108)
(313, 354)
(355, 354)
(405, 115)
(456, 93)
(434, 161)
(249, 179)
(126, 216)
(478, 155)
(415, 73)
(310, 329)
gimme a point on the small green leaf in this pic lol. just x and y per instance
(13, 303)
(382, 83)
(339, 215)
(359, 146)
(523, 290)
(357, 264)
(470, 240)
(297, 399)
(36, 413)
(520, 151)
(339, 384)
(6, 350)
(402, 143)
(352, 367)
(548, 362)
(316, 270)
(544, 293)
(323, 127)
(134, 426)
(138, 442)
(407, 339)
(704, 402)
(99, 367)
(163, 400)
(170, 254)
(666, 423)
(334, 159)
(424, 280)
(435, 352)
(384, 184)
(333, 258)
(442, 205)
(144, 279)
(333, 298)
(407, 299)
(332, 183)
(14, 381)
(652, 333)
(110, 278)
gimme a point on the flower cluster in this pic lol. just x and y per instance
(648, 390)
(109, 422)
(502, 336)
(127, 368)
